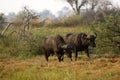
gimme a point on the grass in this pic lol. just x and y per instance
(16, 65)
(36, 68)
(12, 47)
(43, 31)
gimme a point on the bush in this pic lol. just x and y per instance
(12, 46)
(73, 20)
(109, 33)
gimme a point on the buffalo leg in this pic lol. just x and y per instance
(45, 52)
(71, 57)
(76, 55)
(86, 51)
(59, 58)
(47, 55)
(62, 58)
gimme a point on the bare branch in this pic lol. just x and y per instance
(82, 3)
(6, 28)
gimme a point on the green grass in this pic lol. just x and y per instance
(43, 31)
(44, 74)
(13, 47)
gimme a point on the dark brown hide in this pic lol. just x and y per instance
(80, 42)
(55, 45)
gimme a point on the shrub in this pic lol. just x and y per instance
(109, 33)
(73, 20)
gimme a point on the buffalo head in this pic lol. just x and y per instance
(91, 40)
(67, 48)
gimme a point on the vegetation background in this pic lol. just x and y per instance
(21, 57)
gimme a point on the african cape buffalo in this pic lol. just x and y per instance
(80, 42)
(55, 44)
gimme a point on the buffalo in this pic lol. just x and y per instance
(80, 42)
(55, 45)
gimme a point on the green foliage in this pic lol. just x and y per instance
(28, 44)
(12, 46)
(108, 34)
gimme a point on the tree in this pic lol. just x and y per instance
(93, 4)
(94, 10)
(77, 5)
(98, 4)
(2, 19)
(18, 20)
(109, 32)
